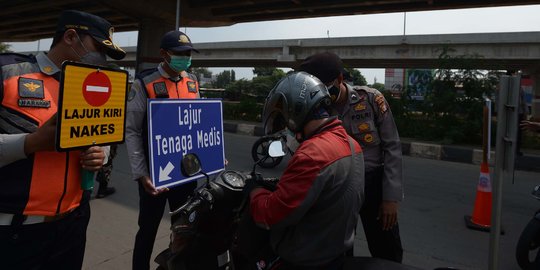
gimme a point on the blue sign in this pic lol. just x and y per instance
(181, 126)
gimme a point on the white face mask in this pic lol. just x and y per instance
(292, 142)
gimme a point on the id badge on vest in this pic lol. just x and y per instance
(32, 93)
(160, 89)
(192, 87)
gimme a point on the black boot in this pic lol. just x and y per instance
(104, 192)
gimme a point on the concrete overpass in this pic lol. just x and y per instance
(496, 51)
(493, 51)
(33, 19)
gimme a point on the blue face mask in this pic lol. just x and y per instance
(179, 63)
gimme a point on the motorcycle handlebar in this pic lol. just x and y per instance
(269, 183)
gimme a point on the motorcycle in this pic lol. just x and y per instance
(204, 234)
(259, 150)
(529, 240)
(204, 227)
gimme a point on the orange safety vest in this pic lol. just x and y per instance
(45, 183)
(156, 86)
(159, 87)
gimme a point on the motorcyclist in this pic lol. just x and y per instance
(313, 211)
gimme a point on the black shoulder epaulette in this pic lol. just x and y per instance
(13, 58)
(139, 76)
(145, 73)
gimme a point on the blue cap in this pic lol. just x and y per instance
(176, 41)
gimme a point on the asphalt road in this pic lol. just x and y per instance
(437, 196)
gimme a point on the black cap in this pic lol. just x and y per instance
(97, 27)
(325, 66)
(176, 41)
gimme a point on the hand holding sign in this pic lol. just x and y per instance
(146, 182)
(92, 158)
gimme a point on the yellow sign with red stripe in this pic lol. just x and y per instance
(92, 105)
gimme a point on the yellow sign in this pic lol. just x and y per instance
(92, 106)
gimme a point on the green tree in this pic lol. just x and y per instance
(201, 72)
(451, 111)
(261, 85)
(236, 89)
(357, 77)
(223, 79)
(378, 86)
(233, 75)
(263, 71)
(4, 47)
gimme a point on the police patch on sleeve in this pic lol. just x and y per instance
(379, 99)
(368, 138)
(31, 88)
(192, 87)
(160, 89)
(363, 127)
(360, 106)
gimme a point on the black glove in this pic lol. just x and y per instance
(269, 183)
(251, 184)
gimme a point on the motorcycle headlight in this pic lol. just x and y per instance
(233, 179)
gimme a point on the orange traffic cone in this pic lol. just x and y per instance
(481, 217)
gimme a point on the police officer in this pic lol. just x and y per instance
(169, 80)
(44, 212)
(367, 117)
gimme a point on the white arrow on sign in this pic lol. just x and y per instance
(164, 173)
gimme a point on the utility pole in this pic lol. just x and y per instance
(177, 25)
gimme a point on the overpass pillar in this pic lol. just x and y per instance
(149, 39)
(535, 105)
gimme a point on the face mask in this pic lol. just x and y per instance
(179, 63)
(334, 92)
(92, 58)
(292, 142)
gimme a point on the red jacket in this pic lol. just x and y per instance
(313, 213)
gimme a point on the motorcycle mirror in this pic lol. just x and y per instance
(536, 192)
(275, 149)
(190, 165)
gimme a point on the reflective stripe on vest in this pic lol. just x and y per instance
(157, 86)
(46, 183)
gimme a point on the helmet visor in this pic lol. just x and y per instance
(275, 122)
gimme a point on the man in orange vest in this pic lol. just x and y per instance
(44, 212)
(169, 80)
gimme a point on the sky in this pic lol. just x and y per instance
(477, 20)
